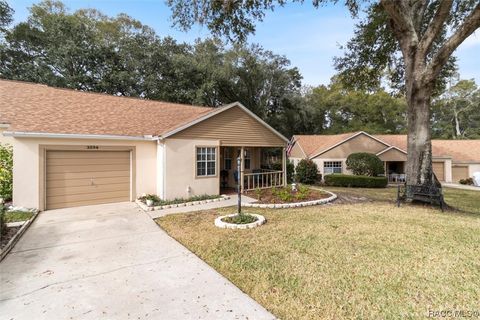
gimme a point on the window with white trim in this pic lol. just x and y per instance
(332, 167)
(206, 161)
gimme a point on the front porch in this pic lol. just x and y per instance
(261, 168)
(395, 171)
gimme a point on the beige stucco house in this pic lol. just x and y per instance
(452, 159)
(73, 148)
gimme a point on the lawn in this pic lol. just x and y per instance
(14, 216)
(368, 260)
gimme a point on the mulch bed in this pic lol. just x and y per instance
(10, 233)
(268, 198)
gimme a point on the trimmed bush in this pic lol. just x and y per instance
(6, 172)
(365, 164)
(307, 171)
(345, 180)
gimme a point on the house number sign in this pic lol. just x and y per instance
(92, 147)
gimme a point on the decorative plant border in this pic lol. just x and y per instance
(183, 204)
(332, 197)
(11, 243)
(225, 225)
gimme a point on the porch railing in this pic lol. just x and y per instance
(263, 180)
(396, 177)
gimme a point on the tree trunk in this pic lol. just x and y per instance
(419, 164)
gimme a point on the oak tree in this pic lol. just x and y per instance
(418, 37)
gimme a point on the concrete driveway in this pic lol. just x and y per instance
(112, 262)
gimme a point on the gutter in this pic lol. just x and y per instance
(22, 134)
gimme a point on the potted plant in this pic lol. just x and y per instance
(150, 199)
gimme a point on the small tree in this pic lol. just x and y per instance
(307, 171)
(6, 171)
(365, 164)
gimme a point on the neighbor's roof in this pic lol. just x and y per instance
(313, 144)
(30, 107)
(458, 150)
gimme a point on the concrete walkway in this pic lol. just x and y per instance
(460, 186)
(112, 262)
(207, 206)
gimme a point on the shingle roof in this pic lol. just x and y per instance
(458, 150)
(30, 107)
(312, 144)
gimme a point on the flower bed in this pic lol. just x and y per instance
(234, 221)
(16, 223)
(286, 198)
(159, 204)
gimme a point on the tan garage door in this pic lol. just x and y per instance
(79, 178)
(439, 170)
(459, 172)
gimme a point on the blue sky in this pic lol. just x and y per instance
(310, 38)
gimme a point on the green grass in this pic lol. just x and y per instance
(368, 260)
(14, 216)
(463, 200)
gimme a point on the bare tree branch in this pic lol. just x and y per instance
(435, 27)
(471, 23)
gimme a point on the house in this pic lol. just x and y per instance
(452, 159)
(73, 148)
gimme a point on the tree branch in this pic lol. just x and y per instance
(435, 27)
(471, 23)
(402, 24)
(418, 9)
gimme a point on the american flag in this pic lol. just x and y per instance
(290, 145)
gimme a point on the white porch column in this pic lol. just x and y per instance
(284, 166)
(242, 167)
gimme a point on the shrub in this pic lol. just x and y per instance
(290, 169)
(307, 171)
(3, 226)
(240, 219)
(468, 181)
(6, 172)
(345, 180)
(365, 164)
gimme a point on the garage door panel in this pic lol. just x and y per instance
(67, 198)
(77, 162)
(439, 170)
(86, 203)
(75, 178)
(88, 155)
(86, 175)
(459, 173)
(62, 183)
(87, 189)
(88, 168)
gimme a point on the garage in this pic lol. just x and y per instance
(439, 170)
(79, 178)
(459, 173)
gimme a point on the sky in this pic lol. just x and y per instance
(308, 37)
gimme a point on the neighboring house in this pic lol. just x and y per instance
(73, 148)
(452, 159)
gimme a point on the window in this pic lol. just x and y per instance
(332, 167)
(227, 158)
(247, 158)
(206, 161)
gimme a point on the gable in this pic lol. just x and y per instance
(297, 151)
(393, 155)
(360, 143)
(233, 127)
